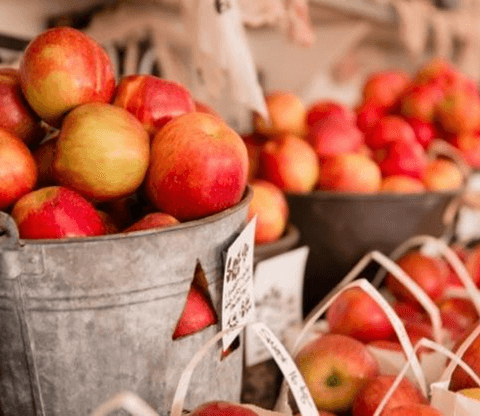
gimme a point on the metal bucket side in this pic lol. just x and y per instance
(82, 319)
(341, 228)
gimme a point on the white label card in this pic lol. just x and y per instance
(238, 299)
(278, 284)
(292, 375)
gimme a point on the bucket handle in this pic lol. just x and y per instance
(9, 235)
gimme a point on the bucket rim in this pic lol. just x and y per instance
(244, 202)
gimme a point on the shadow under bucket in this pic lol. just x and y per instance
(340, 228)
(82, 319)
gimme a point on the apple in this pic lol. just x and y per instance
(287, 115)
(437, 71)
(56, 212)
(152, 100)
(442, 175)
(389, 129)
(469, 145)
(425, 132)
(332, 136)
(198, 167)
(102, 152)
(270, 206)
(460, 379)
(202, 107)
(473, 393)
(222, 408)
(385, 87)
(124, 211)
(108, 222)
(402, 158)
(402, 184)
(463, 253)
(375, 389)
(368, 115)
(415, 409)
(407, 311)
(459, 112)
(152, 220)
(356, 314)
(321, 109)
(254, 143)
(16, 116)
(472, 263)
(44, 156)
(63, 68)
(457, 315)
(421, 102)
(290, 163)
(18, 172)
(430, 273)
(341, 173)
(335, 368)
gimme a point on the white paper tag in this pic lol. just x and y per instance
(290, 371)
(238, 299)
(278, 284)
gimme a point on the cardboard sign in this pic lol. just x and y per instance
(278, 284)
(238, 299)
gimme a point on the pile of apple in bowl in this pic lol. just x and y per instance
(120, 157)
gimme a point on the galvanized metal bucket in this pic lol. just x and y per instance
(340, 228)
(82, 319)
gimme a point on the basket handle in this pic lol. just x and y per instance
(9, 235)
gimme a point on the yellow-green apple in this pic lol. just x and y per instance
(287, 115)
(102, 152)
(16, 115)
(198, 167)
(18, 172)
(321, 109)
(63, 68)
(457, 315)
(385, 87)
(152, 100)
(402, 158)
(424, 132)
(469, 145)
(368, 115)
(108, 222)
(202, 107)
(459, 112)
(442, 175)
(389, 129)
(460, 379)
(289, 162)
(375, 389)
(152, 220)
(56, 212)
(473, 393)
(421, 102)
(430, 273)
(402, 184)
(414, 409)
(332, 136)
(340, 173)
(356, 314)
(44, 156)
(270, 206)
(336, 368)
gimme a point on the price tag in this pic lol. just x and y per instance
(238, 298)
(292, 375)
(278, 285)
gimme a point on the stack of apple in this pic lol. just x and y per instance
(386, 138)
(124, 157)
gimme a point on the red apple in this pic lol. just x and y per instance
(287, 115)
(388, 130)
(56, 212)
(472, 263)
(415, 409)
(319, 110)
(220, 408)
(102, 152)
(153, 220)
(424, 132)
(459, 112)
(341, 173)
(421, 102)
(152, 100)
(198, 166)
(402, 158)
(18, 172)
(442, 175)
(368, 115)
(202, 107)
(124, 211)
(335, 368)
(270, 206)
(437, 71)
(401, 184)
(430, 273)
(375, 389)
(469, 145)
(458, 315)
(460, 379)
(356, 314)
(63, 68)
(44, 156)
(333, 136)
(16, 116)
(290, 163)
(108, 222)
(409, 312)
(463, 253)
(385, 87)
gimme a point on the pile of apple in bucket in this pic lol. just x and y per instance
(122, 157)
